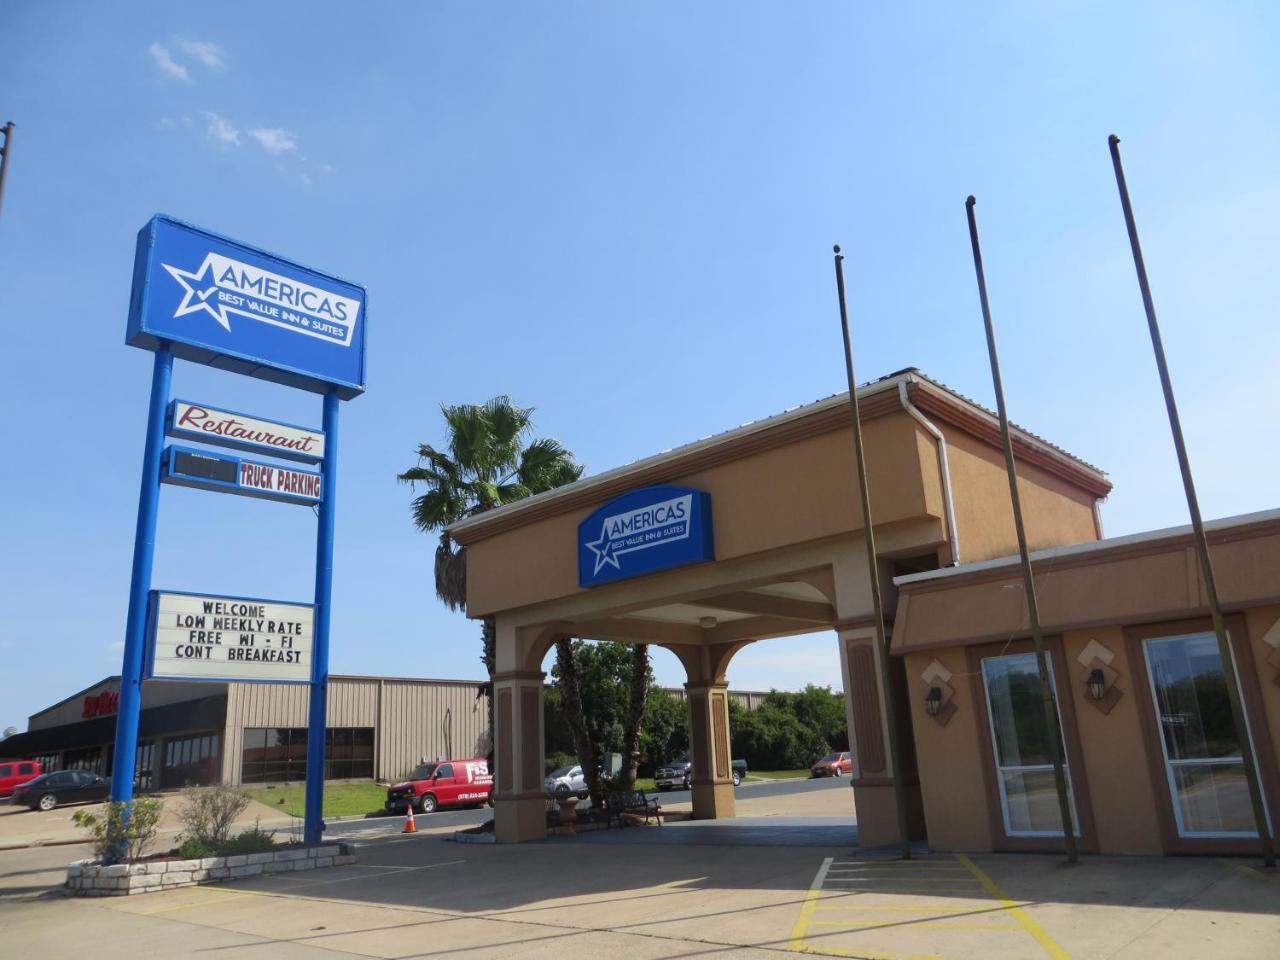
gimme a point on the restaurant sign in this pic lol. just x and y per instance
(226, 428)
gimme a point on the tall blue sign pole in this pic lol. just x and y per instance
(208, 299)
(144, 548)
(313, 824)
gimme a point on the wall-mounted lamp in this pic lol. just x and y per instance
(933, 701)
(1096, 684)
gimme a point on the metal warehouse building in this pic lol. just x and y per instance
(377, 727)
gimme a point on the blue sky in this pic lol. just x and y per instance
(624, 218)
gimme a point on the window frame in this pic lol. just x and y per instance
(1087, 835)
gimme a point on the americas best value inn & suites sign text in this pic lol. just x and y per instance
(229, 638)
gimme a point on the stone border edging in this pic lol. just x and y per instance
(88, 878)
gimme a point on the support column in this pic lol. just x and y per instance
(875, 804)
(709, 748)
(520, 808)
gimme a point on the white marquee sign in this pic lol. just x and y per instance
(198, 637)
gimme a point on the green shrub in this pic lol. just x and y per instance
(195, 850)
(207, 813)
(557, 760)
(121, 831)
(253, 840)
(771, 737)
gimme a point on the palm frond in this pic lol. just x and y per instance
(451, 574)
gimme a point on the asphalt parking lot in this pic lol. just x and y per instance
(424, 896)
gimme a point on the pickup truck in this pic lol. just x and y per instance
(675, 775)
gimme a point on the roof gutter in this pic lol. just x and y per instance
(944, 469)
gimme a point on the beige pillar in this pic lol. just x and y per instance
(709, 749)
(872, 780)
(519, 802)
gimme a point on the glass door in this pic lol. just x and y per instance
(1022, 748)
(1202, 756)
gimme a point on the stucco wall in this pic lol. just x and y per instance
(1054, 511)
(787, 495)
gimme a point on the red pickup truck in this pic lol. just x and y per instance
(445, 783)
(14, 773)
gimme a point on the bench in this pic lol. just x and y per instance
(634, 802)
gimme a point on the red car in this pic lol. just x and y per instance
(832, 765)
(445, 783)
(14, 773)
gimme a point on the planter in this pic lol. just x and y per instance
(88, 878)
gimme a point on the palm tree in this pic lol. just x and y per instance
(488, 464)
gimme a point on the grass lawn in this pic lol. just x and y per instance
(340, 799)
(777, 774)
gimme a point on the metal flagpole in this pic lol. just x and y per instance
(1197, 524)
(882, 655)
(5, 151)
(1028, 579)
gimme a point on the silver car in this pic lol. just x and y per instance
(566, 782)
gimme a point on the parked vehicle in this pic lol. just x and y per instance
(13, 773)
(567, 782)
(832, 765)
(445, 783)
(50, 790)
(676, 775)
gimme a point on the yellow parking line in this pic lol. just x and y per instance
(1050, 945)
(806, 909)
(204, 901)
(932, 925)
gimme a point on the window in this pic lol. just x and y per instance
(277, 754)
(48, 761)
(445, 772)
(348, 753)
(6, 770)
(25, 768)
(1203, 763)
(142, 772)
(89, 758)
(192, 760)
(1022, 748)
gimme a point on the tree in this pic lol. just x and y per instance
(602, 694)
(488, 464)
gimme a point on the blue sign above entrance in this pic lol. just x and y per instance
(645, 531)
(238, 308)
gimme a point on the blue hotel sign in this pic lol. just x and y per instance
(645, 531)
(232, 306)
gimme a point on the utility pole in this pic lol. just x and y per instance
(1197, 524)
(1028, 579)
(4, 156)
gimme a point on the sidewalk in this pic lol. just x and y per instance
(20, 827)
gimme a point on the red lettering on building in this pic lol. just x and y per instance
(100, 705)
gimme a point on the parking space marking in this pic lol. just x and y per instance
(1050, 945)
(807, 908)
(848, 895)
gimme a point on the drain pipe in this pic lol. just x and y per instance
(948, 503)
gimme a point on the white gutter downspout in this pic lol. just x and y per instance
(948, 504)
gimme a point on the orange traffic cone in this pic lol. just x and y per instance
(409, 825)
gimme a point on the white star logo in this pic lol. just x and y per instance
(194, 300)
(603, 549)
